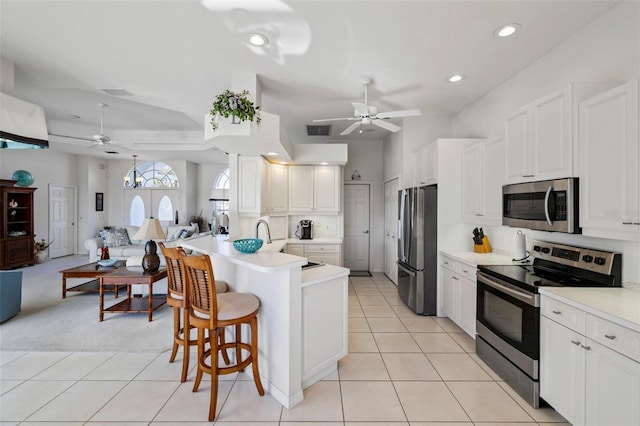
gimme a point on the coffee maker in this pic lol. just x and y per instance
(304, 228)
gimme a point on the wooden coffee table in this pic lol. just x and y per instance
(91, 270)
(128, 277)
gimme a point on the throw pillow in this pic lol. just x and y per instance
(115, 237)
(180, 234)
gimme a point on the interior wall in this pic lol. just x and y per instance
(608, 49)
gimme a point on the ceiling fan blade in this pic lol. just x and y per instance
(386, 125)
(350, 129)
(335, 119)
(402, 113)
(70, 137)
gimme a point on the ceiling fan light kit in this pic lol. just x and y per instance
(368, 114)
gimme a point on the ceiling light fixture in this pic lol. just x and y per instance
(324, 163)
(137, 180)
(258, 39)
(272, 153)
(456, 78)
(507, 30)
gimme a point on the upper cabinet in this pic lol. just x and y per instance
(278, 187)
(539, 137)
(252, 185)
(609, 157)
(426, 165)
(315, 189)
(482, 180)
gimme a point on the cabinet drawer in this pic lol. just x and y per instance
(295, 249)
(321, 248)
(614, 336)
(450, 264)
(467, 271)
(564, 314)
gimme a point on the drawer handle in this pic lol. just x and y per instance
(586, 348)
(612, 337)
(557, 312)
(627, 223)
(575, 342)
(446, 263)
(465, 271)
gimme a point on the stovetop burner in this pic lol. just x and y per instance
(556, 265)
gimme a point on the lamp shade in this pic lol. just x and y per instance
(151, 229)
(219, 194)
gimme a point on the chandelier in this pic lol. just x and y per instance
(137, 180)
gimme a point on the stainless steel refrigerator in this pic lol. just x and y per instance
(418, 248)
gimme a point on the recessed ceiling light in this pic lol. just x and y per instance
(324, 163)
(456, 78)
(272, 153)
(258, 39)
(507, 30)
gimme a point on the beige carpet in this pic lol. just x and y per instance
(47, 322)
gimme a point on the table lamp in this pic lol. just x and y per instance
(151, 229)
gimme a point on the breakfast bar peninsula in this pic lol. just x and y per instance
(302, 323)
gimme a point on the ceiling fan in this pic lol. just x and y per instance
(100, 140)
(368, 114)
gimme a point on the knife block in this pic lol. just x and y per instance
(485, 247)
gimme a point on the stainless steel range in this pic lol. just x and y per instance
(508, 306)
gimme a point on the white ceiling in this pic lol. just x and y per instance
(174, 57)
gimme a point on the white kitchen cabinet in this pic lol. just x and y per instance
(315, 189)
(324, 253)
(482, 180)
(426, 165)
(609, 157)
(539, 137)
(295, 249)
(252, 185)
(589, 366)
(324, 320)
(278, 187)
(459, 293)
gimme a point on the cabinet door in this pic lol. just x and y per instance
(430, 158)
(295, 249)
(551, 143)
(609, 163)
(450, 285)
(467, 309)
(517, 139)
(326, 188)
(493, 178)
(251, 184)
(278, 188)
(612, 387)
(301, 188)
(562, 364)
(472, 187)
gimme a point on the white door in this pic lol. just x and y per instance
(62, 207)
(356, 227)
(391, 189)
(152, 200)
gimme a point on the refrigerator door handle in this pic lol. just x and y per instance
(413, 274)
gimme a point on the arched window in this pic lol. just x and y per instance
(220, 211)
(222, 181)
(136, 213)
(153, 174)
(165, 209)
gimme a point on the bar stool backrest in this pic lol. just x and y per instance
(176, 281)
(202, 292)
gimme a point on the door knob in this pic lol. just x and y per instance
(366, 232)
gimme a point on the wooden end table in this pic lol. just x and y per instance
(91, 270)
(128, 277)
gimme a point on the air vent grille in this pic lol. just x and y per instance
(318, 130)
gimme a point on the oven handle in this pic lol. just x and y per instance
(546, 205)
(528, 298)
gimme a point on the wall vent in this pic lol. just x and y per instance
(318, 130)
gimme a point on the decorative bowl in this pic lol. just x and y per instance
(247, 245)
(108, 262)
(23, 178)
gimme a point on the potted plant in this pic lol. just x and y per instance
(230, 104)
(40, 248)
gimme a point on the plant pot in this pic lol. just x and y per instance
(41, 256)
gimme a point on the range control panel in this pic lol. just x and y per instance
(580, 257)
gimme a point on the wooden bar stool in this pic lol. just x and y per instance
(213, 312)
(178, 300)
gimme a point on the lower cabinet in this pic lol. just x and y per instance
(589, 367)
(323, 253)
(459, 296)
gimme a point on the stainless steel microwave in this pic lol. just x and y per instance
(550, 205)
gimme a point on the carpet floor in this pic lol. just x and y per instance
(47, 322)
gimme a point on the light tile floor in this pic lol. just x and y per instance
(401, 369)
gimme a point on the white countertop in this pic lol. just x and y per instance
(315, 241)
(321, 274)
(618, 305)
(475, 259)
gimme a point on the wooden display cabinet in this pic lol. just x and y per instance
(16, 225)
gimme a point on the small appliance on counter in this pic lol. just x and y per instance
(304, 230)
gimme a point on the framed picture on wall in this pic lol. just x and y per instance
(99, 201)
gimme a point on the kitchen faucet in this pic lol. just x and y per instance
(267, 226)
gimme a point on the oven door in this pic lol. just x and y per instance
(508, 318)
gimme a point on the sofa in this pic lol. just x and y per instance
(123, 247)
